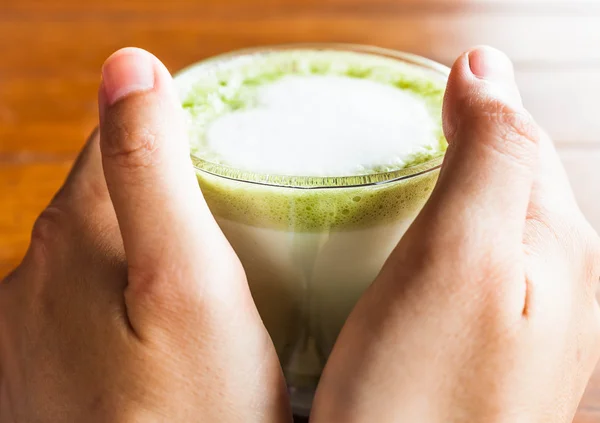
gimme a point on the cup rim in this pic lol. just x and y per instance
(316, 182)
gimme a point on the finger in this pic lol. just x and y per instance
(551, 193)
(164, 220)
(84, 187)
(81, 209)
(553, 217)
(486, 179)
(81, 204)
(557, 230)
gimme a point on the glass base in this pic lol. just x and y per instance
(301, 400)
(302, 371)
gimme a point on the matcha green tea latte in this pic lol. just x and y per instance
(314, 160)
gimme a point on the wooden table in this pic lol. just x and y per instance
(51, 53)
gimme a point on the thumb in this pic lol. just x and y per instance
(175, 250)
(486, 179)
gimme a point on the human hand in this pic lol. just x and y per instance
(486, 310)
(130, 305)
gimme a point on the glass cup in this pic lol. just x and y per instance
(310, 246)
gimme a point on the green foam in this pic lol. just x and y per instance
(309, 203)
(312, 210)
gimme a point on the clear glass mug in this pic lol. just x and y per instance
(310, 246)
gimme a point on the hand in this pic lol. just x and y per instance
(485, 311)
(130, 305)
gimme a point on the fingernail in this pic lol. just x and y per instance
(495, 67)
(126, 72)
(489, 63)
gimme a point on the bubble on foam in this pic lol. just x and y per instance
(324, 125)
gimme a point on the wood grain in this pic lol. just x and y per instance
(52, 52)
(25, 189)
(144, 8)
(180, 39)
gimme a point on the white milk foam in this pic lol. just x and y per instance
(323, 126)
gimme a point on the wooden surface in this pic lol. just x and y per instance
(52, 50)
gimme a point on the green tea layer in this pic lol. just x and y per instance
(312, 210)
(218, 89)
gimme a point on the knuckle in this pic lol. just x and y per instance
(519, 127)
(47, 230)
(48, 224)
(509, 131)
(130, 148)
